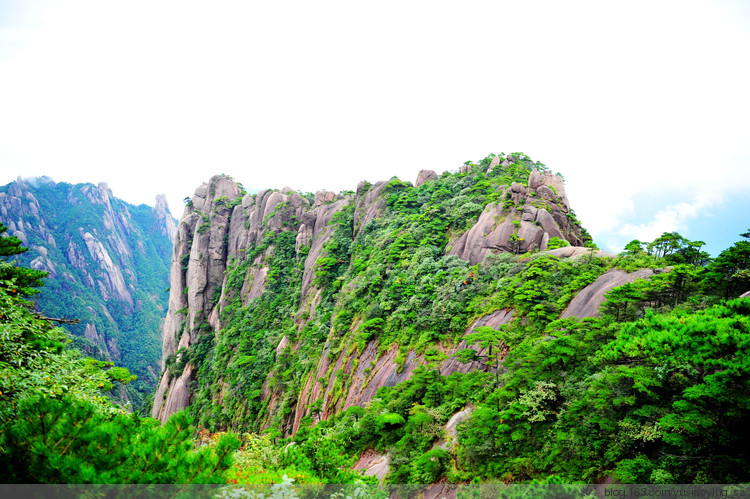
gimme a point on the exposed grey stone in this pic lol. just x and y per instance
(548, 224)
(425, 176)
(517, 188)
(578, 251)
(587, 302)
(546, 193)
(282, 345)
(530, 237)
(322, 197)
(535, 179)
(161, 209)
(529, 213)
(494, 163)
(247, 201)
(369, 205)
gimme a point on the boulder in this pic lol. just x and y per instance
(546, 193)
(529, 213)
(425, 176)
(322, 197)
(494, 163)
(578, 251)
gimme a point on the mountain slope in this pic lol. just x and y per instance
(286, 306)
(108, 266)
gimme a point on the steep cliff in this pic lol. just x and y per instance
(107, 261)
(286, 307)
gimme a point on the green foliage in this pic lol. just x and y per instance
(430, 466)
(556, 242)
(728, 274)
(70, 441)
(25, 280)
(645, 398)
(653, 390)
(56, 425)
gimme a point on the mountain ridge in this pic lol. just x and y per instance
(106, 262)
(524, 208)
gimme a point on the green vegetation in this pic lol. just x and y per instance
(661, 397)
(655, 389)
(557, 400)
(58, 426)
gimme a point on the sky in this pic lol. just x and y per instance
(643, 106)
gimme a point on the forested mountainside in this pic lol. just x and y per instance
(108, 265)
(435, 304)
(462, 330)
(354, 290)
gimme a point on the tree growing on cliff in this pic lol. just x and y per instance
(493, 342)
(23, 281)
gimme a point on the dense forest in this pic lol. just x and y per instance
(496, 378)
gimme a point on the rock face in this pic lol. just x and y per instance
(525, 221)
(217, 226)
(107, 260)
(587, 302)
(373, 463)
(425, 176)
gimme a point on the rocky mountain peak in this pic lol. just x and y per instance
(229, 245)
(166, 222)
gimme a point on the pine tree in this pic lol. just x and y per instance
(24, 280)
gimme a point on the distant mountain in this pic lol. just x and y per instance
(108, 264)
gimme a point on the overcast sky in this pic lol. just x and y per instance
(642, 106)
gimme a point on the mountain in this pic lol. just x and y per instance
(462, 332)
(286, 305)
(108, 264)
(463, 328)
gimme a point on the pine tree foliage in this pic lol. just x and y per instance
(25, 280)
(66, 440)
(57, 424)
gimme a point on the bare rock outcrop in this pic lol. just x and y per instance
(451, 428)
(322, 230)
(552, 184)
(373, 463)
(525, 221)
(452, 365)
(577, 251)
(587, 302)
(166, 222)
(369, 370)
(111, 282)
(218, 225)
(425, 176)
(369, 203)
(199, 259)
(372, 368)
(111, 257)
(221, 227)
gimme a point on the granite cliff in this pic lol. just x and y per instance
(234, 250)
